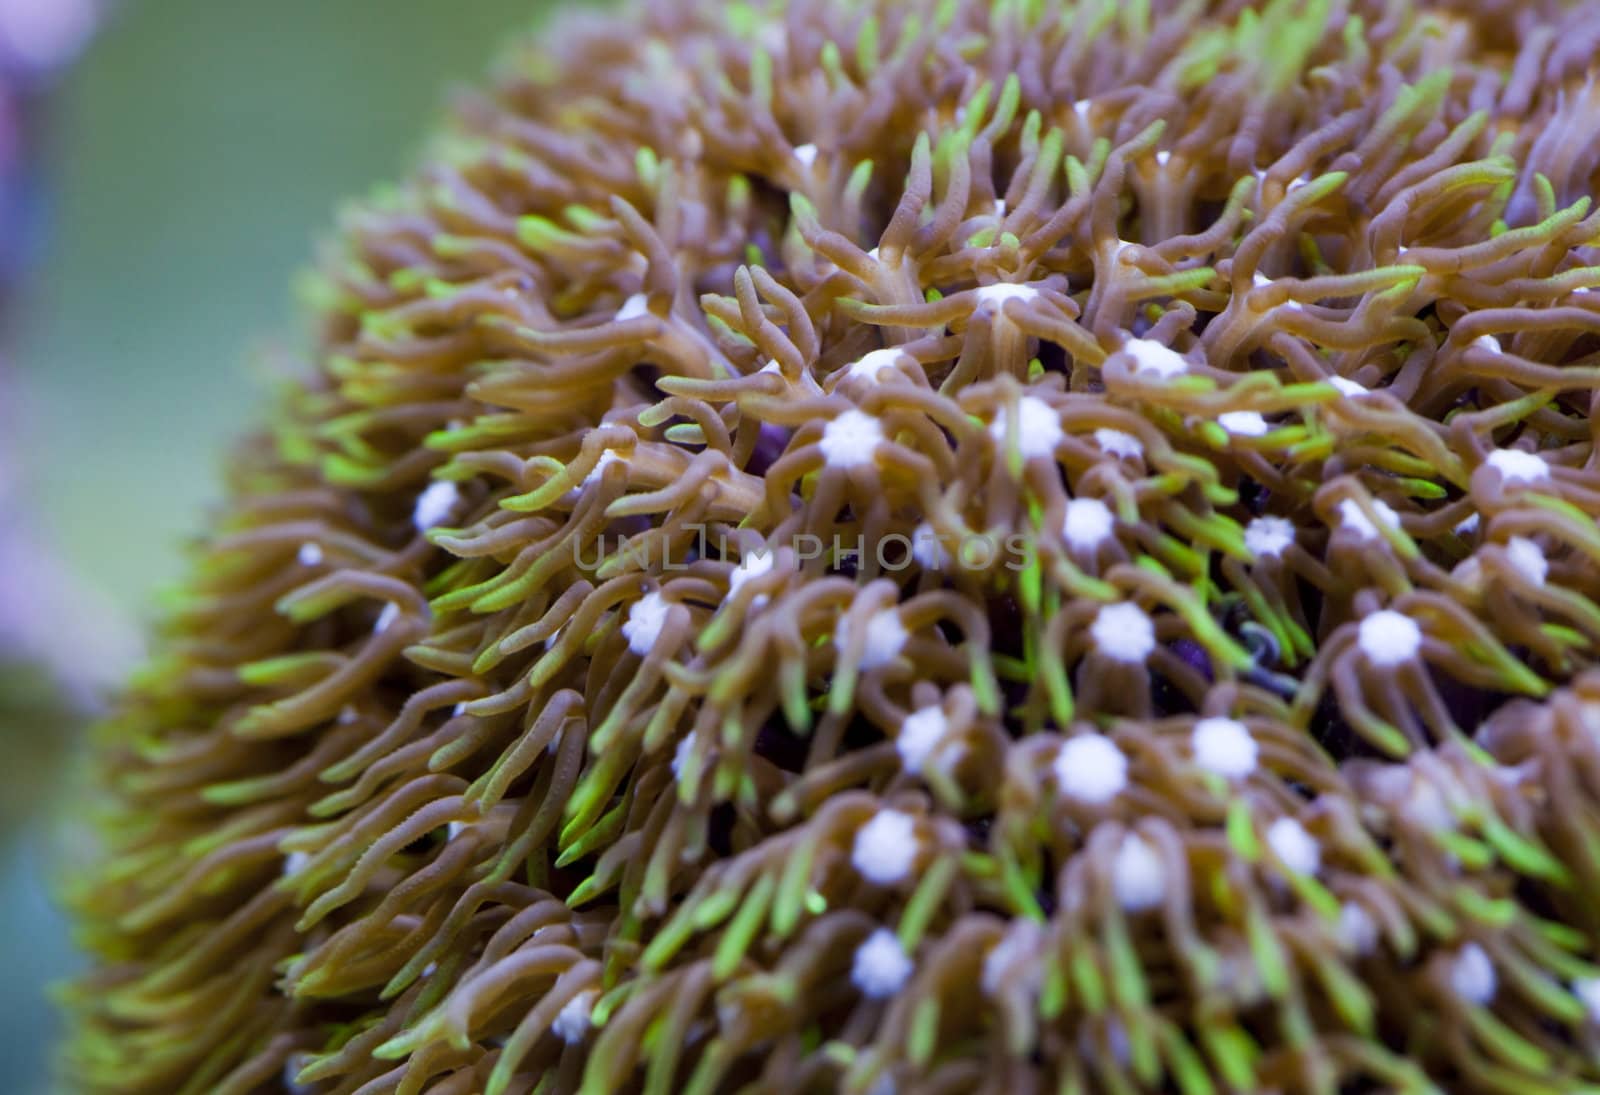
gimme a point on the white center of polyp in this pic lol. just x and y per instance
(927, 549)
(1426, 805)
(1023, 941)
(869, 366)
(851, 439)
(309, 555)
(992, 298)
(1124, 633)
(1472, 975)
(606, 459)
(1517, 466)
(646, 618)
(1588, 993)
(634, 307)
(1487, 342)
(885, 848)
(806, 154)
(1348, 387)
(1155, 358)
(1354, 518)
(1528, 560)
(1243, 423)
(1090, 768)
(1388, 638)
(886, 637)
(1138, 875)
(1259, 280)
(1088, 524)
(1224, 746)
(1037, 423)
(386, 617)
(753, 565)
(1268, 536)
(880, 967)
(572, 1022)
(1295, 848)
(680, 755)
(1117, 443)
(1357, 930)
(921, 731)
(434, 504)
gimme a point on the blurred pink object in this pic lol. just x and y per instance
(48, 619)
(43, 35)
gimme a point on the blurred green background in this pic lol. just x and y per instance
(192, 158)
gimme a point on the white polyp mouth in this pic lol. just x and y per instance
(1117, 443)
(872, 364)
(1588, 993)
(572, 1022)
(681, 753)
(647, 618)
(1354, 518)
(1269, 537)
(752, 566)
(928, 549)
(1243, 423)
(606, 459)
(1528, 560)
(1295, 848)
(386, 618)
(1155, 358)
(880, 967)
(1472, 975)
(1123, 632)
(1224, 746)
(1388, 638)
(1091, 769)
(634, 307)
(1089, 523)
(1357, 930)
(1138, 875)
(1037, 425)
(1517, 466)
(992, 298)
(851, 439)
(886, 637)
(920, 734)
(885, 848)
(435, 504)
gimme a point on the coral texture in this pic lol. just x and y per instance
(1107, 594)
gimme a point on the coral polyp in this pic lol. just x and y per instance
(908, 546)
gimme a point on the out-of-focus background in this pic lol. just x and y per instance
(166, 167)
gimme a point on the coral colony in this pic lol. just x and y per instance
(1213, 704)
